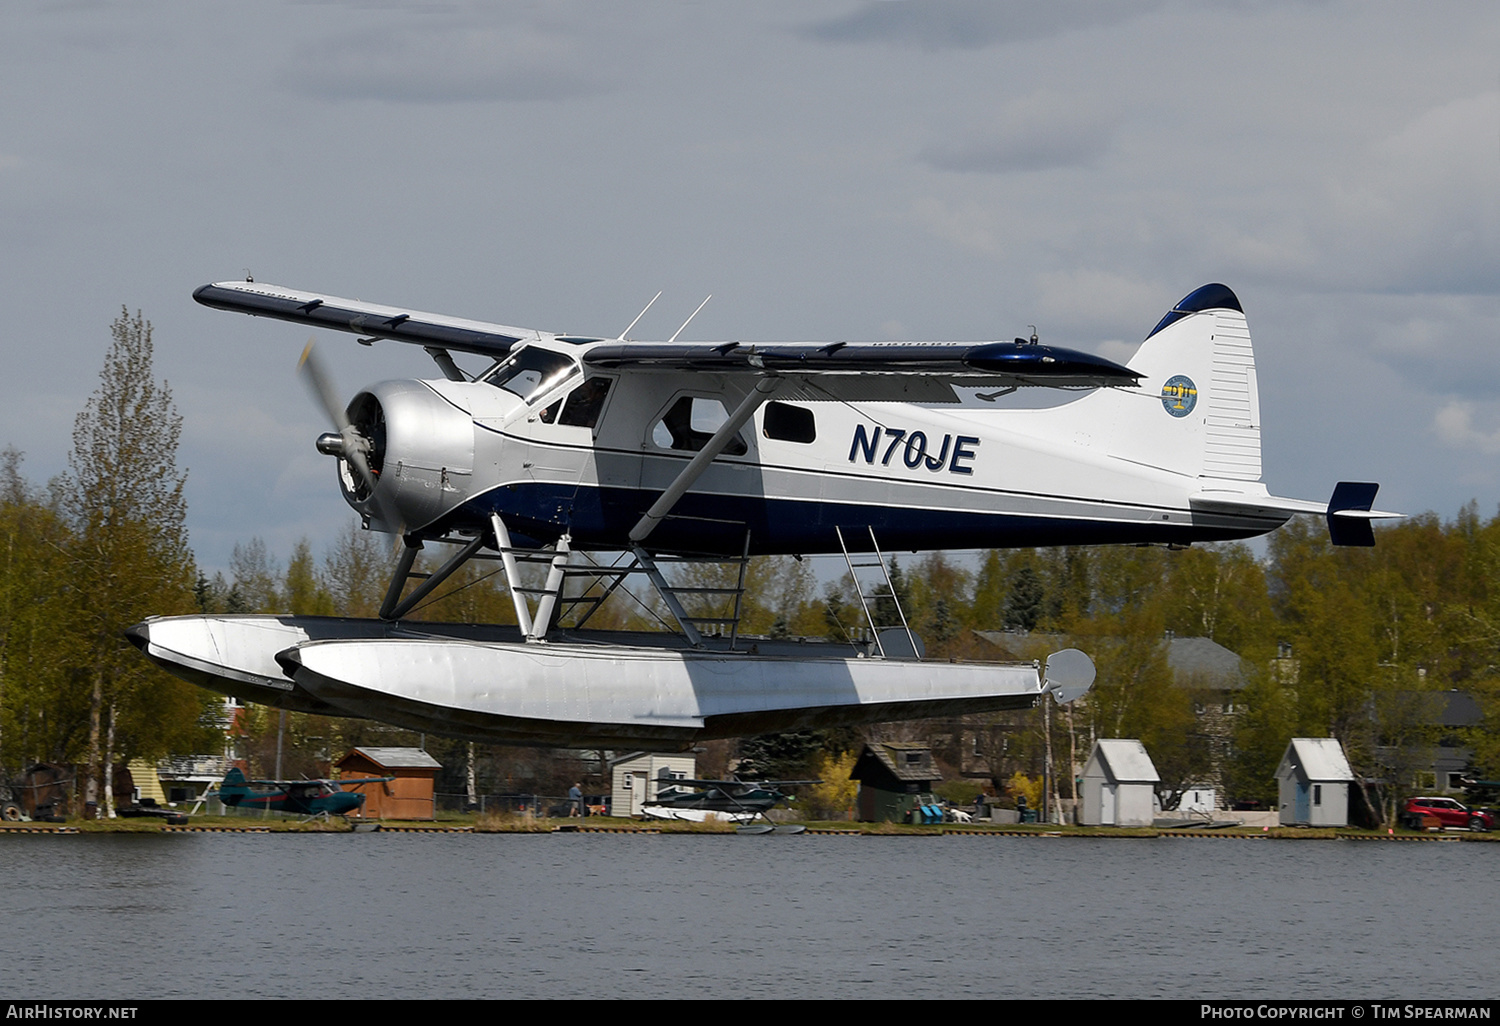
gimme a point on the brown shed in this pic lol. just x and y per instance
(412, 795)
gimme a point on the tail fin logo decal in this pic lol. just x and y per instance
(1179, 395)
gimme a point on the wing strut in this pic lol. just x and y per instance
(508, 559)
(764, 388)
(391, 609)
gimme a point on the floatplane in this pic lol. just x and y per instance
(606, 458)
(311, 798)
(741, 802)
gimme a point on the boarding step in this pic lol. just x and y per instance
(883, 635)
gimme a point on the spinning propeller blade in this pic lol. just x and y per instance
(310, 366)
(352, 445)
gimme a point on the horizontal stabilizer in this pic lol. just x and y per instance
(1348, 512)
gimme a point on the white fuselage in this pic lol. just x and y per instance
(985, 471)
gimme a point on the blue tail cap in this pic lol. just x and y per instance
(1209, 297)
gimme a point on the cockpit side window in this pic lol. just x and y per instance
(691, 422)
(532, 372)
(585, 403)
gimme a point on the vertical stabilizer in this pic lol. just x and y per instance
(234, 789)
(1197, 410)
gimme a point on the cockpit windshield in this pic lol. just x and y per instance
(532, 372)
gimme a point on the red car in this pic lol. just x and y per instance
(1448, 812)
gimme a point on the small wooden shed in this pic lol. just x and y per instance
(412, 795)
(1313, 781)
(894, 778)
(1119, 784)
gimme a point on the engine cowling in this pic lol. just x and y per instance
(420, 448)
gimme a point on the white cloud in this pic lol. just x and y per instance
(1454, 424)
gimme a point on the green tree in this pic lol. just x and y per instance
(255, 579)
(43, 713)
(1023, 604)
(791, 754)
(124, 497)
(356, 572)
(304, 593)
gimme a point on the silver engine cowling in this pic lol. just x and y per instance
(420, 449)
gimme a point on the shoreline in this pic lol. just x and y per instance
(526, 825)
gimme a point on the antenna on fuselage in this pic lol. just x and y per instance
(685, 323)
(638, 317)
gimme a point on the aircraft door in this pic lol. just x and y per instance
(682, 424)
(561, 459)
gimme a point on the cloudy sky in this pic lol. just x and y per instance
(835, 169)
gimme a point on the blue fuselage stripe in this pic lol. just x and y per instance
(600, 518)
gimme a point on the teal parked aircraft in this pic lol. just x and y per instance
(299, 797)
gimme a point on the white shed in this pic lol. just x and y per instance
(1313, 780)
(633, 779)
(1118, 784)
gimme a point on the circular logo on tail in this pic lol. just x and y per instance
(1179, 395)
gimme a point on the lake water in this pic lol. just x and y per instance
(609, 915)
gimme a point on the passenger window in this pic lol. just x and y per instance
(585, 403)
(789, 423)
(691, 422)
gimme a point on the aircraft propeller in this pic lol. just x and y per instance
(348, 443)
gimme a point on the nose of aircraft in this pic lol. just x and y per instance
(419, 445)
(346, 802)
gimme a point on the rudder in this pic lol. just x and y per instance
(234, 788)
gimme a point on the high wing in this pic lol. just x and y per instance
(401, 325)
(973, 363)
(850, 371)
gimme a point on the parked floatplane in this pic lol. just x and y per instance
(602, 458)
